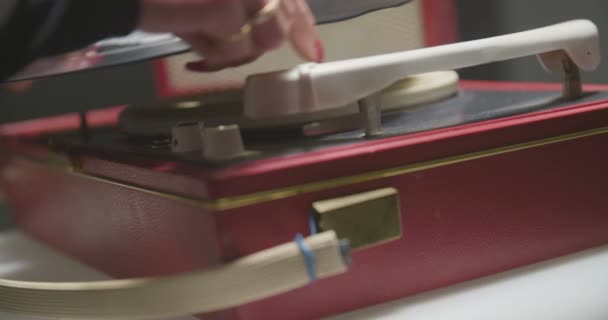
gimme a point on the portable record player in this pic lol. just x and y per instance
(430, 180)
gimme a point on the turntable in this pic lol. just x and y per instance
(423, 179)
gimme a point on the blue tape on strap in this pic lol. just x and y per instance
(309, 258)
(312, 223)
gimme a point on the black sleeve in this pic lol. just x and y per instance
(31, 29)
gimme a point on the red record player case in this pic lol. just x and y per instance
(476, 199)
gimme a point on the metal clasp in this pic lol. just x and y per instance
(366, 219)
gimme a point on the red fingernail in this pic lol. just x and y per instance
(320, 51)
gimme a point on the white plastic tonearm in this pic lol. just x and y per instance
(315, 87)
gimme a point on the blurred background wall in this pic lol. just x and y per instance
(479, 19)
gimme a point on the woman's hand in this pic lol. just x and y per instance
(229, 33)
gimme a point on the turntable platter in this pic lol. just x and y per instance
(221, 108)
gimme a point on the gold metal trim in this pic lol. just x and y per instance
(229, 203)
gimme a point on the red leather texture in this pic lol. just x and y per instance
(122, 232)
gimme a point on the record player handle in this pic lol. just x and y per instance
(314, 87)
(257, 276)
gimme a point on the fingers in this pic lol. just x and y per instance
(223, 46)
(204, 66)
(269, 27)
(292, 21)
(221, 54)
(271, 31)
(303, 35)
(233, 32)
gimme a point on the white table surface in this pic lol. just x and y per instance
(574, 287)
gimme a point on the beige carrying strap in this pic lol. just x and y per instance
(248, 279)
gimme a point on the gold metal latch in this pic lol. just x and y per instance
(366, 219)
